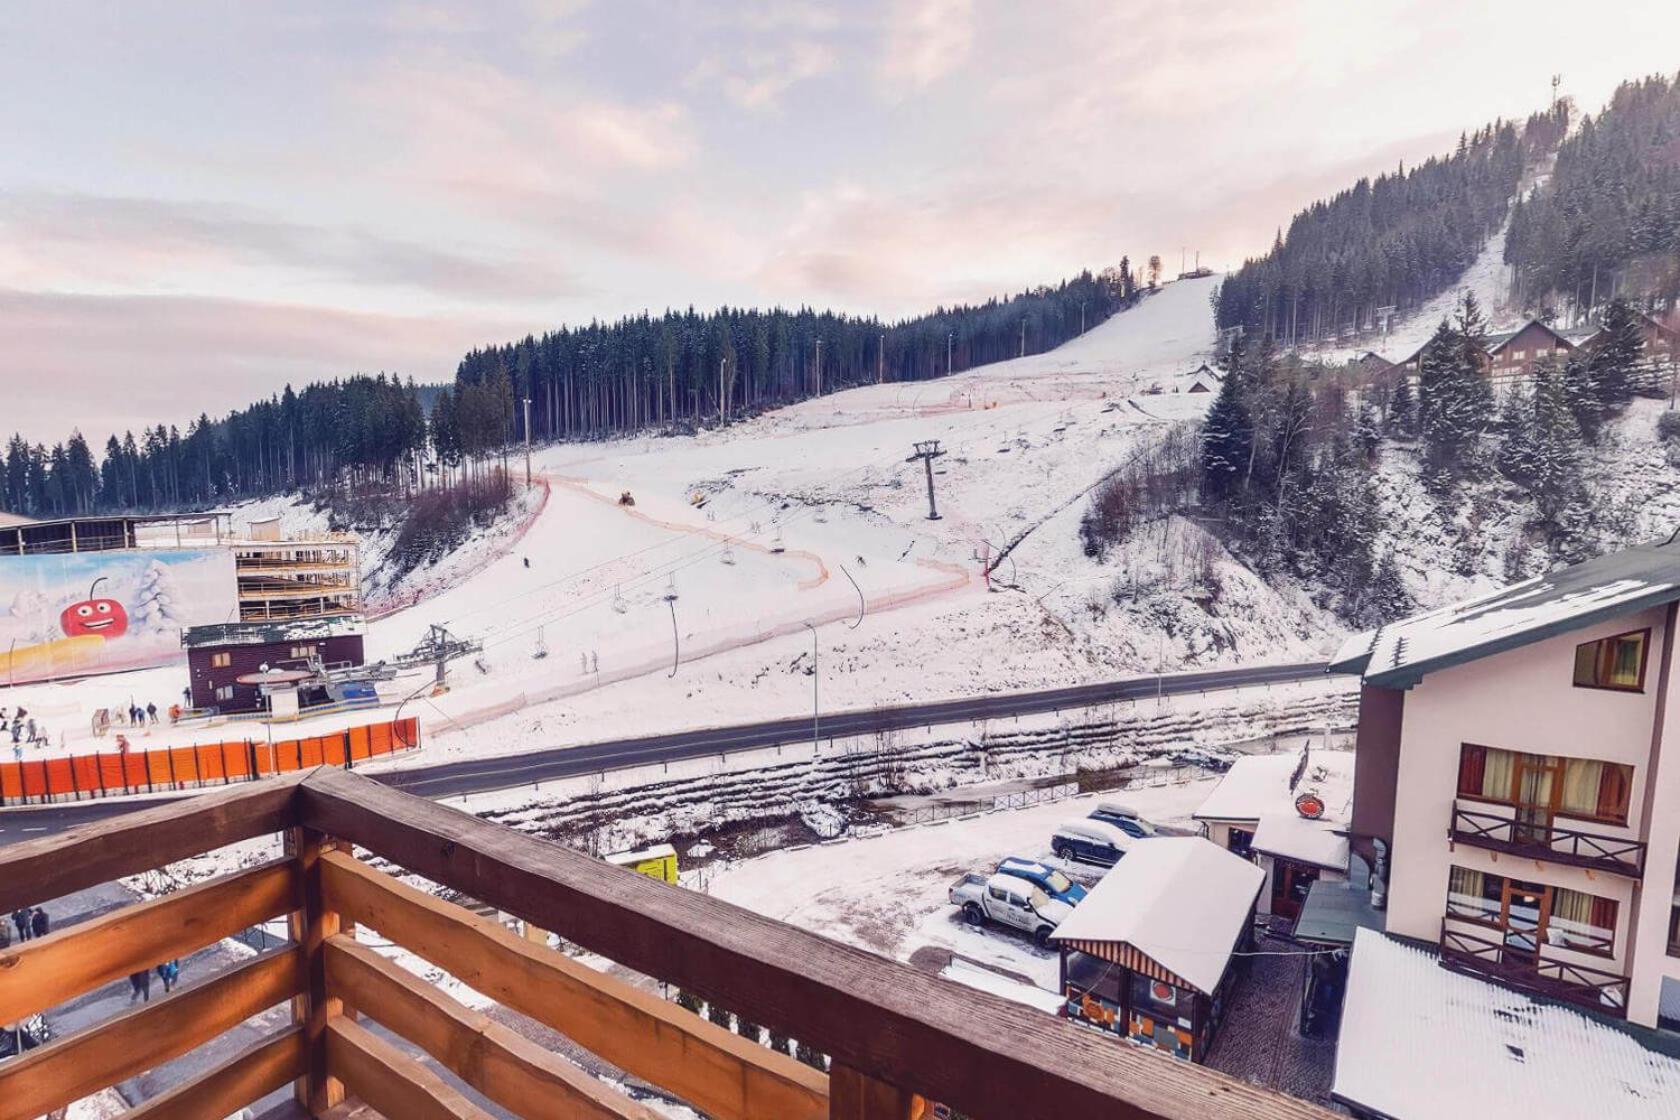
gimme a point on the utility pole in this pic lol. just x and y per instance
(1023, 338)
(1081, 316)
(815, 678)
(927, 451)
(527, 443)
(881, 361)
(819, 367)
(950, 336)
(723, 407)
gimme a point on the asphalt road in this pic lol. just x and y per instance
(452, 779)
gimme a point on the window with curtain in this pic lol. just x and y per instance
(1616, 662)
(1474, 895)
(1589, 789)
(1581, 921)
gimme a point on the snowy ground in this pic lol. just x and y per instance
(763, 527)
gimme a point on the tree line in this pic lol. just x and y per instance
(1392, 242)
(677, 371)
(1607, 221)
(683, 369)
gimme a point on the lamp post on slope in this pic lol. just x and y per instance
(815, 682)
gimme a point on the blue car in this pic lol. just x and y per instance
(1046, 878)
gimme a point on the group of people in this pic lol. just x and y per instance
(140, 983)
(31, 921)
(23, 728)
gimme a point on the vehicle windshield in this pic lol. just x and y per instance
(1039, 899)
(1059, 883)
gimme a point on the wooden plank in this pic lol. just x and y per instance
(49, 867)
(393, 1083)
(143, 1037)
(310, 927)
(975, 1052)
(507, 1068)
(856, 1096)
(718, 1072)
(244, 1079)
(46, 971)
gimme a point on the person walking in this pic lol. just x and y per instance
(38, 924)
(17, 733)
(151, 713)
(33, 737)
(169, 972)
(20, 919)
(140, 986)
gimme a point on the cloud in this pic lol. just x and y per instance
(758, 78)
(925, 41)
(110, 363)
(62, 240)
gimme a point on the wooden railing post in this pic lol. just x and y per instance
(310, 927)
(857, 1096)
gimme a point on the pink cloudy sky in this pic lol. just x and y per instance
(202, 202)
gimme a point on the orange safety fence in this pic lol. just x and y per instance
(112, 773)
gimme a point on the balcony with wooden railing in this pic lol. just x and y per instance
(1539, 972)
(1620, 855)
(360, 1024)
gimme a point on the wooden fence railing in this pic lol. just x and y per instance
(896, 1037)
(111, 774)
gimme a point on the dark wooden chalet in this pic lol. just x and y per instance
(218, 655)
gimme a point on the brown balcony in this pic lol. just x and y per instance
(1537, 974)
(896, 1038)
(1616, 854)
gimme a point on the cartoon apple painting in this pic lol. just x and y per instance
(103, 618)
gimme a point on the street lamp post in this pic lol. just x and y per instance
(815, 681)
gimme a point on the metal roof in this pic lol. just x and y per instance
(1400, 654)
(261, 633)
(1336, 909)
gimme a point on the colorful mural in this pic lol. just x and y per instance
(75, 614)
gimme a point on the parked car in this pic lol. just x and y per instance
(1123, 817)
(1009, 901)
(1045, 878)
(1091, 841)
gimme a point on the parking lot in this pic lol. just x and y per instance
(888, 892)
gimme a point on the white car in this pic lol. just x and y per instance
(1010, 901)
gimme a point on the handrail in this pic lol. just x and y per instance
(973, 1051)
(892, 1031)
(1547, 975)
(1621, 854)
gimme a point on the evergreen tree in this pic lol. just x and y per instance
(1402, 408)
(1388, 600)
(1616, 353)
(1227, 441)
(1542, 445)
(1455, 403)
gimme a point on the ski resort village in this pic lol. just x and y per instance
(1013, 637)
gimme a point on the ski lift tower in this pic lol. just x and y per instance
(438, 648)
(927, 451)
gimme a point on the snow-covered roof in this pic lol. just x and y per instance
(1292, 836)
(275, 631)
(1179, 900)
(1258, 785)
(1402, 653)
(1419, 1042)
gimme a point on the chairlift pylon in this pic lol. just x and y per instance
(619, 604)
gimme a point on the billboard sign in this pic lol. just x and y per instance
(76, 614)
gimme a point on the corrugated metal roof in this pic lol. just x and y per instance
(1419, 1042)
(1402, 653)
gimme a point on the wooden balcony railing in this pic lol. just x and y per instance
(896, 1037)
(1539, 974)
(1617, 854)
